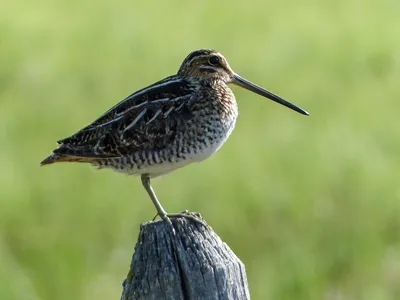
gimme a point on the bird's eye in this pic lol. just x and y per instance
(214, 60)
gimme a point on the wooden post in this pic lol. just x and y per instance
(189, 262)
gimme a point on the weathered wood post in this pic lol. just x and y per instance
(189, 262)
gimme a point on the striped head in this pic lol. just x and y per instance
(207, 64)
(211, 65)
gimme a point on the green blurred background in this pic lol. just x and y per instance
(310, 204)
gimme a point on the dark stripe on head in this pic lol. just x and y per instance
(199, 52)
(194, 54)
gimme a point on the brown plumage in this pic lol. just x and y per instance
(181, 119)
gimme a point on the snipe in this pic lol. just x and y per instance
(181, 119)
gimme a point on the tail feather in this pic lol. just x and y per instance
(48, 160)
(54, 158)
(73, 153)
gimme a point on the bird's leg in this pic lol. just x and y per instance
(160, 210)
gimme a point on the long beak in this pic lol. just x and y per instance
(240, 81)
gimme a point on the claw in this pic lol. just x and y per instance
(194, 216)
(167, 219)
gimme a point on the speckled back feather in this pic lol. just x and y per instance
(147, 119)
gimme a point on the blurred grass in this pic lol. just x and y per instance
(311, 205)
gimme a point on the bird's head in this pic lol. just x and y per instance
(211, 65)
(207, 64)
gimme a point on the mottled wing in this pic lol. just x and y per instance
(147, 119)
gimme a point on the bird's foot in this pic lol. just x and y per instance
(194, 216)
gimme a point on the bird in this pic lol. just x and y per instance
(179, 120)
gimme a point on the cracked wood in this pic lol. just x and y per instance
(193, 263)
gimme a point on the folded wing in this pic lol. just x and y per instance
(147, 119)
